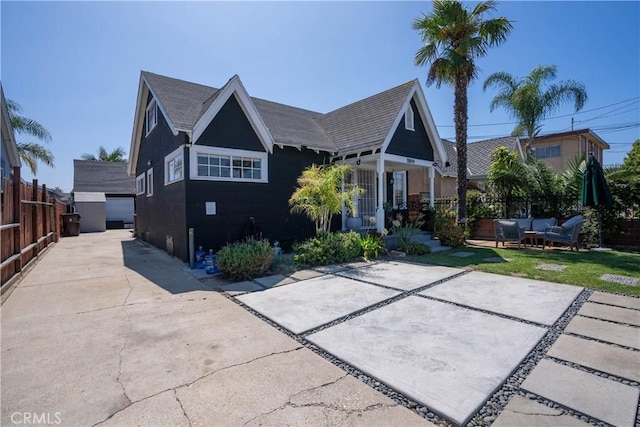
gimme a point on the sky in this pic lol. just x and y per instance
(75, 66)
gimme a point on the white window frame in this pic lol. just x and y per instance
(218, 151)
(140, 184)
(169, 164)
(150, 182)
(152, 113)
(409, 119)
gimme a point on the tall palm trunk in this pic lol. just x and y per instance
(460, 121)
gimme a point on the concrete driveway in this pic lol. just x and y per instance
(107, 331)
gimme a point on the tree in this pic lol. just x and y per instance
(529, 100)
(30, 152)
(319, 196)
(506, 175)
(117, 155)
(453, 39)
(631, 161)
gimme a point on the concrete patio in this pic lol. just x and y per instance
(107, 331)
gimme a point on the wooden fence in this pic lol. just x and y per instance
(30, 223)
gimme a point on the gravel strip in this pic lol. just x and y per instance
(622, 280)
(551, 267)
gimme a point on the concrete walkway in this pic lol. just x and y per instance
(107, 331)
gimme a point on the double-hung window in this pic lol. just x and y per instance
(223, 164)
(140, 184)
(174, 166)
(547, 152)
(151, 119)
(150, 182)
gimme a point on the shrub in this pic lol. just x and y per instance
(372, 246)
(449, 233)
(417, 249)
(328, 248)
(245, 260)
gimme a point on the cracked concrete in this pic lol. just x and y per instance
(109, 332)
(525, 412)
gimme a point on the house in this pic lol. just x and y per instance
(559, 149)
(478, 162)
(222, 164)
(9, 157)
(103, 194)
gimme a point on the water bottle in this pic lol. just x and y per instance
(210, 260)
(200, 262)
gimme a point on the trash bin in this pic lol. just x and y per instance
(71, 224)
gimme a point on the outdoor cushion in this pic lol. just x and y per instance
(542, 224)
(523, 222)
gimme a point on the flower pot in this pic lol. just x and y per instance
(354, 223)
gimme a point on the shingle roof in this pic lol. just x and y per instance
(104, 177)
(478, 154)
(365, 124)
(359, 126)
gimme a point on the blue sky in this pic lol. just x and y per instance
(74, 66)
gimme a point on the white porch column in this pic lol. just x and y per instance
(432, 176)
(381, 182)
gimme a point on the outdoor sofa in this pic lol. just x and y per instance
(567, 233)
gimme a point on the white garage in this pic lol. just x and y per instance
(120, 209)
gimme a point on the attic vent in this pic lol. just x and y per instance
(408, 119)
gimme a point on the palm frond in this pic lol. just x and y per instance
(32, 153)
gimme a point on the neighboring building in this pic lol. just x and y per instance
(104, 195)
(558, 149)
(9, 157)
(210, 159)
(478, 162)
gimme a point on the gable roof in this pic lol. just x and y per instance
(360, 126)
(103, 177)
(478, 155)
(7, 133)
(364, 125)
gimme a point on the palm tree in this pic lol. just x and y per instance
(30, 152)
(453, 39)
(529, 102)
(117, 155)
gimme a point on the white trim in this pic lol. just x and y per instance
(234, 87)
(408, 160)
(139, 119)
(409, 119)
(178, 152)
(153, 105)
(207, 150)
(424, 113)
(140, 187)
(150, 182)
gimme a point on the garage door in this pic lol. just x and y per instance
(120, 209)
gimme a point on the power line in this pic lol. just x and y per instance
(555, 117)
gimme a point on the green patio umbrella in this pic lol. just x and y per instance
(595, 191)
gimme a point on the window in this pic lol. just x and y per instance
(547, 152)
(152, 116)
(409, 119)
(173, 169)
(150, 182)
(140, 184)
(223, 164)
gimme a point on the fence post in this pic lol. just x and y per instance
(17, 218)
(45, 214)
(34, 214)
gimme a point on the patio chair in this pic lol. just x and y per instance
(567, 233)
(508, 231)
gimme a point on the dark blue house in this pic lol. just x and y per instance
(210, 159)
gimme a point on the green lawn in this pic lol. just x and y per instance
(584, 268)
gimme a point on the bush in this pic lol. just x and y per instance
(449, 233)
(245, 260)
(417, 249)
(372, 246)
(328, 248)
